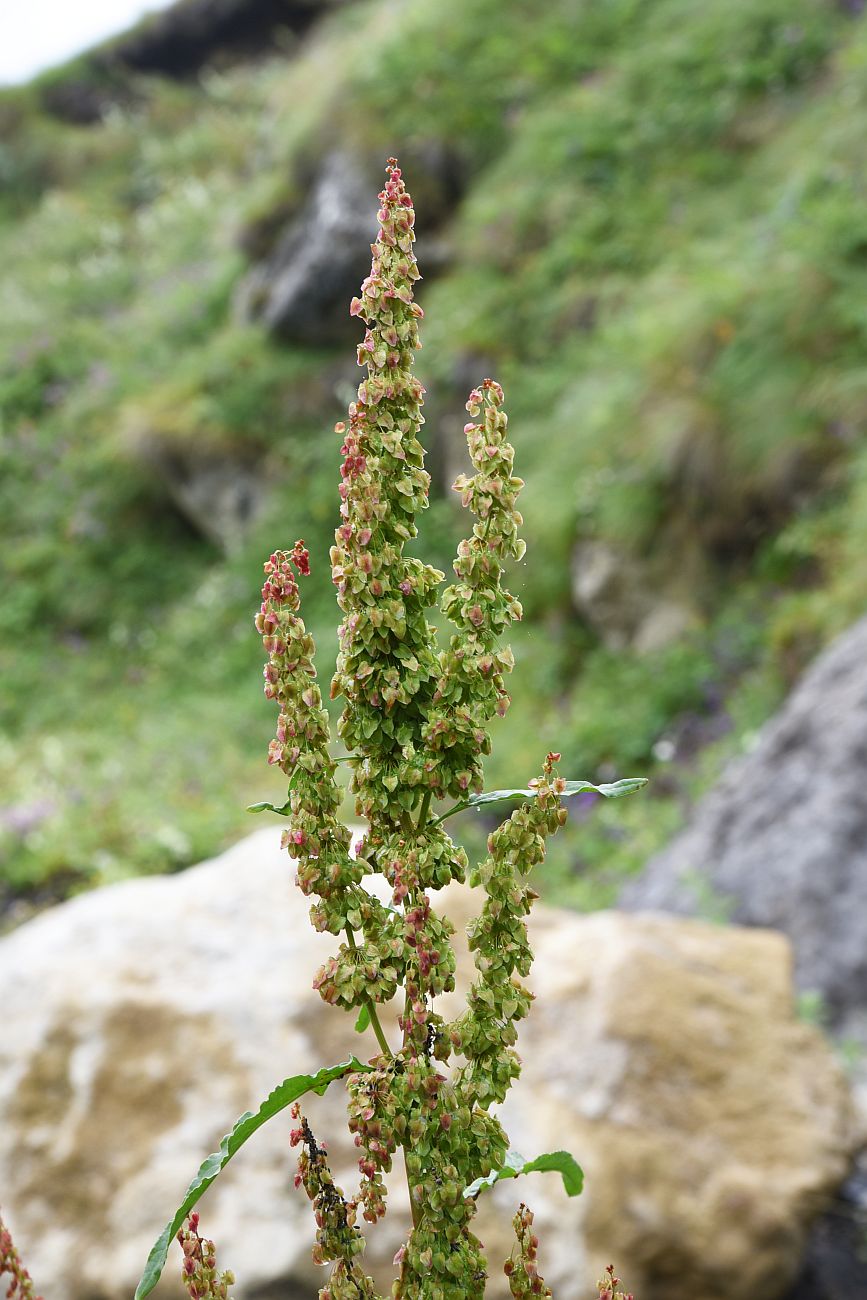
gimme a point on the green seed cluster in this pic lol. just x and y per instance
(442, 1259)
(387, 666)
(316, 836)
(471, 689)
(486, 1032)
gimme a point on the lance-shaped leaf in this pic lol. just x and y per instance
(283, 811)
(363, 1019)
(515, 1165)
(282, 1096)
(615, 790)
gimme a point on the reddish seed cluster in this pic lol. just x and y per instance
(20, 1282)
(199, 1272)
(521, 1268)
(338, 1240)
(608, 1285)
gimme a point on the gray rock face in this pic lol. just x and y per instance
(140, 1020)
(783, 836)
(220, 495)
(612, 592)
(176, 41)
(303, 289)
(183, 38)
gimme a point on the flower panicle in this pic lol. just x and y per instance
(199, 1273)
(339, 1242)
(471, 687)
(608, 1286)
(497, 1000)
(387, 664)
(415, 724)
(316, 837)
(521, 1268)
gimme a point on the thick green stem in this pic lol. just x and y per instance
(377, 1028)
(370, 1006)
(425, 809)
(412, 1206)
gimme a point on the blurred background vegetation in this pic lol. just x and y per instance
(645, 217)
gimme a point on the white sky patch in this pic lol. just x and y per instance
(37, 34)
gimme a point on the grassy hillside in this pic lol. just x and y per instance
(655, 237)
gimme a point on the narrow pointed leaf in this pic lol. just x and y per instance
(559, 1161)
(363, 1019)
(283, 811)
(615, 790)
(282, 1096)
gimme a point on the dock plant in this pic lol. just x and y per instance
(414, 730)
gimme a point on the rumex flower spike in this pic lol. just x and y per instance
(387, 666)
(471, 687)
(486, 1032)
(199, 1272)
(520, 1267)
(316, 837)
(608, 1287)
(338, 1241)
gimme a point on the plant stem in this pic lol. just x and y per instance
(412, 1206)
(371, 1007)
(377, 1029)
(425, 808)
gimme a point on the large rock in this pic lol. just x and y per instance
(139, 1020)
(302, 290)
(782, 838)
(315, 259)
(183, 38)
(621, 603)
(177, 41)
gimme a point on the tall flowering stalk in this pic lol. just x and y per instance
(415, 724)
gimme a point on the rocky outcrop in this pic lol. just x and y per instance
(611, 591)
(140, 1019)
(177, 41)
(184, 37)
(782, 839)
(835, 1265)
(221, 495)
(303, 288)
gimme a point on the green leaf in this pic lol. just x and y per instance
(363, 1019)
(515, 1165)
(282, 1096)
(616, 790)
(283, 811)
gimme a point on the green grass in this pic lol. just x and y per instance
(661, 251)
